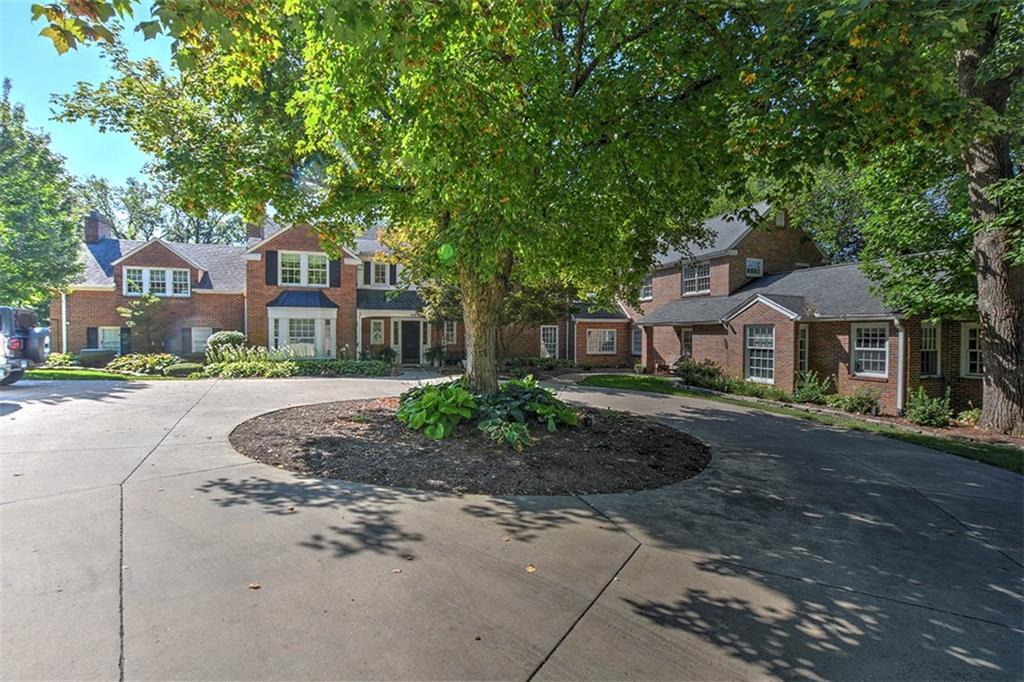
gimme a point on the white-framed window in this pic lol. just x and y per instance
(549, 341)
(199, 337)
(647, 289)
(759, 355)
(697, 278)
(109, 338)
(755, 267)
(601, 341)
(803, 347)
(156, 281)
(396, 334)
(451, 336)
(686, 343)
(971, 364)
(301, 331)
(930, 344)
(376, 332)
(302, 269)
(870, 350)
(380, 274)
(636, 341)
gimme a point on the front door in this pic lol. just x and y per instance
(411, 342)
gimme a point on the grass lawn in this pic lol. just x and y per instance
(85, 373)
(999, 455)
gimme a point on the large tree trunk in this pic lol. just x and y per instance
(1000, 284)
(481, 313)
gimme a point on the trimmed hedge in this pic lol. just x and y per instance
(95, 358)
(143, 363)
(342, 368)
(183, 369)
(225, 338)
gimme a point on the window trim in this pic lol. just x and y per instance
(683, 333)
(376, 324)
(759, 270)
(636, 340)
(697, 278)
(99, 339)
(454, 340)
(544, 350)
(964, 353)
(803, 357)
(288, 330)
(303, 269)
(192, 339)
(379, 267)
(603, 330)
(853, 349)
(937, 350)
(647, 288)
(746, 354)
(147, 276)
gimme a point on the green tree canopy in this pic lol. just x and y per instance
(38, 231)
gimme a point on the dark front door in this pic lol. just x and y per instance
(411, 342)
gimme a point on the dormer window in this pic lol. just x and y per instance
(697, 278)
(647, 290)
(755, 267)
(157, 281)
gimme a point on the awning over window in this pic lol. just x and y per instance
(302, 299)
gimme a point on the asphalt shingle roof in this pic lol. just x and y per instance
(726, 231)
(302, 299)
(223, 264)
(377, 299)
(828, 291)
(585, 311)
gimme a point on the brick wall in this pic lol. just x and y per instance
(156, 255)
(830, 356)
(965, 392)
(779, 247)
(299, 238)
(622, 354)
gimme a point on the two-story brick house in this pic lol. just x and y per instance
(759, 302)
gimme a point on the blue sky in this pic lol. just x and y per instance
(37, 71)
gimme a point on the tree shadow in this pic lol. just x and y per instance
(56, 392)
(526, 519)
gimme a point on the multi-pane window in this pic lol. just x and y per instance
(636, 341)
(179, 282)
(549, 341)
(450, 333)
(755, 267)
(601, 341)
(301, 331)
(929, 350)
(376, 332)
(291, 268)
(316, 270)
(109, 338)
(970, 350)
(759, 345)
(380, 273)
(686, 343)
(803, 347)
(199, 338)
(697, 278)
(647, 290)
(871, 349)
(156, 281)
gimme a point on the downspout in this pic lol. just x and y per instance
(575, 340)
(901, 351)
(63, 322)
(245, 316)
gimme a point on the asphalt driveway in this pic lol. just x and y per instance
(132, 533)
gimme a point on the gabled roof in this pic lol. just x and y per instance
(272, 231)
(792, 307)
(582, 310)
(727, 231)
(157, 240)
(830, 291)
(222, 264)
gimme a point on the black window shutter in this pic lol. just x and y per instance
(186, 340)
(367, 271)
(393, 274)
(336, 272)
(126, 340)
(92, 337)
(270, 258)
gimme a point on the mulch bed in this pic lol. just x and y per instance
(362, 441)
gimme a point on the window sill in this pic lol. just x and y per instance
(876, 378)
(303, 286)
(972, 376)
(646, 299)
(697, 293)
(602, 352)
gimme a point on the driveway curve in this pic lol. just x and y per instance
(136, 544)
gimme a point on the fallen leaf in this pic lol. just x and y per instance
(506, 539)
(396, 570)
(254, 586)
(530, 568)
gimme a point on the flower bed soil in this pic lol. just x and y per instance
(362, 441)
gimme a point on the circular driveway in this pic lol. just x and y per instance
(133, 537)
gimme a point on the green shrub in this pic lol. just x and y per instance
(927, 411)
(538, 363)
(703, 374)
(95, 358)
(969, 417)
(436, 355)
(342, 368)
(388, 355)
(513, 434)
(861, 401)
(755, 390)
(436, 408)
(183, 369)
(60, 360)
(225, 338)
(221, 354)
(239, 369)
(520, 399)
(143, 363)
(810, 388)
(639, 368)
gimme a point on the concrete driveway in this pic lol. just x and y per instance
(131, 533)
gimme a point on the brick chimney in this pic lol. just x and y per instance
(97, 227)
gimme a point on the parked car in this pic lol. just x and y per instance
(23, 343)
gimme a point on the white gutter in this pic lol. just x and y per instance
(63, 322)
(245, 318)
(575, 339)
(901, 352)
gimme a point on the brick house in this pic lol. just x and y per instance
(758, 302)
(282, 288)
